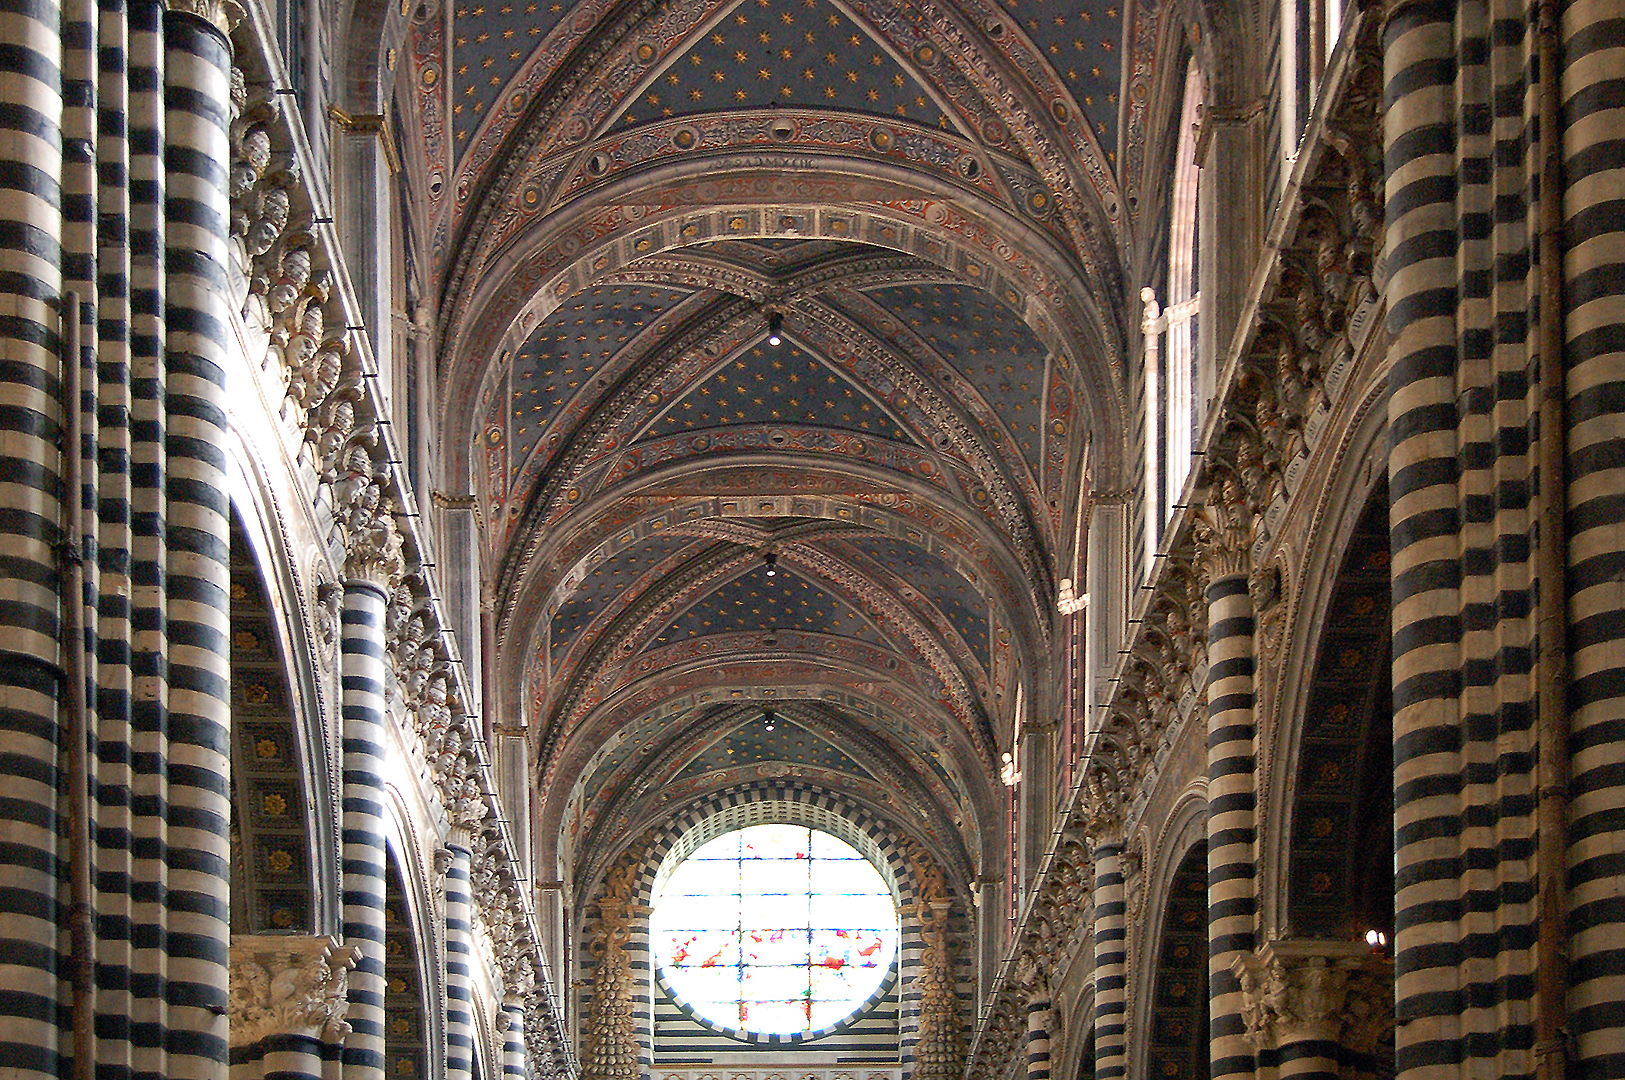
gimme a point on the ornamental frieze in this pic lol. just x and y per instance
(957, 161)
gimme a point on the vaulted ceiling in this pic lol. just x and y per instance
(611, 201)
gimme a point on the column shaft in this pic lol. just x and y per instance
(459, 964)
(30, 522)
(1111, 964)
(197, 93)
(290, 1058)
(1231, 820)
(1308, 1059)
(1594, 337)
(513, 1041)
(1464, 380)
(362, 663)
(1038, 1021)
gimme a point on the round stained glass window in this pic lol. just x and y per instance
(774, 930)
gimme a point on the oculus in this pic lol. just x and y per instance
(778, 930)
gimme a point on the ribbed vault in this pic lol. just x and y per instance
(775, 342)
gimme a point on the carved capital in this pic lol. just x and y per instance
(289, 985)
(1032, 975)
(223, 15)
(1102, 813)
(467, 811)
(1224, 531)
(1328, 991)
(373, 542)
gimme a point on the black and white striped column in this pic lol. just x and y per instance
(196, 870)
(1463, 300)
(1111, 962)
(1038, 1032)
(1231, 803)
(34, 1002)
(132, 702)
(362, 665)
(513, 1039)
(459, 958)
(1593, 102)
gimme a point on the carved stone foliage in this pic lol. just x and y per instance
(285, 984)
(1324, 991)
(609, 1039)
(290, 294)
(1313, 318)
(287, 275)
(939, 1049)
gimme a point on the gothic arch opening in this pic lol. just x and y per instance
(272, 842)
(1340, 859)
(1340, 878)
(406, 1027)
(1178, 1006)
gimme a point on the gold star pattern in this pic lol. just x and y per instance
(751, 744)
(609, 580)
(1083, 45)
(756, 603)
(573, 343)
(986, 343)
(484, 36)
(776, 56)
(959, 601)
(783, 385)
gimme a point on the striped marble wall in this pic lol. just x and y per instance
(113, 234)
(1473, 773)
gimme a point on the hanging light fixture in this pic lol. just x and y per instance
(771, 558)
(768, 720)
(775, 323)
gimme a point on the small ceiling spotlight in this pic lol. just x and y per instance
(768, 720)
(771, 558)
(775, 324)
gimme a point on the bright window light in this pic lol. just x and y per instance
(774, 930)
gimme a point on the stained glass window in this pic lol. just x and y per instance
(774, 929)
